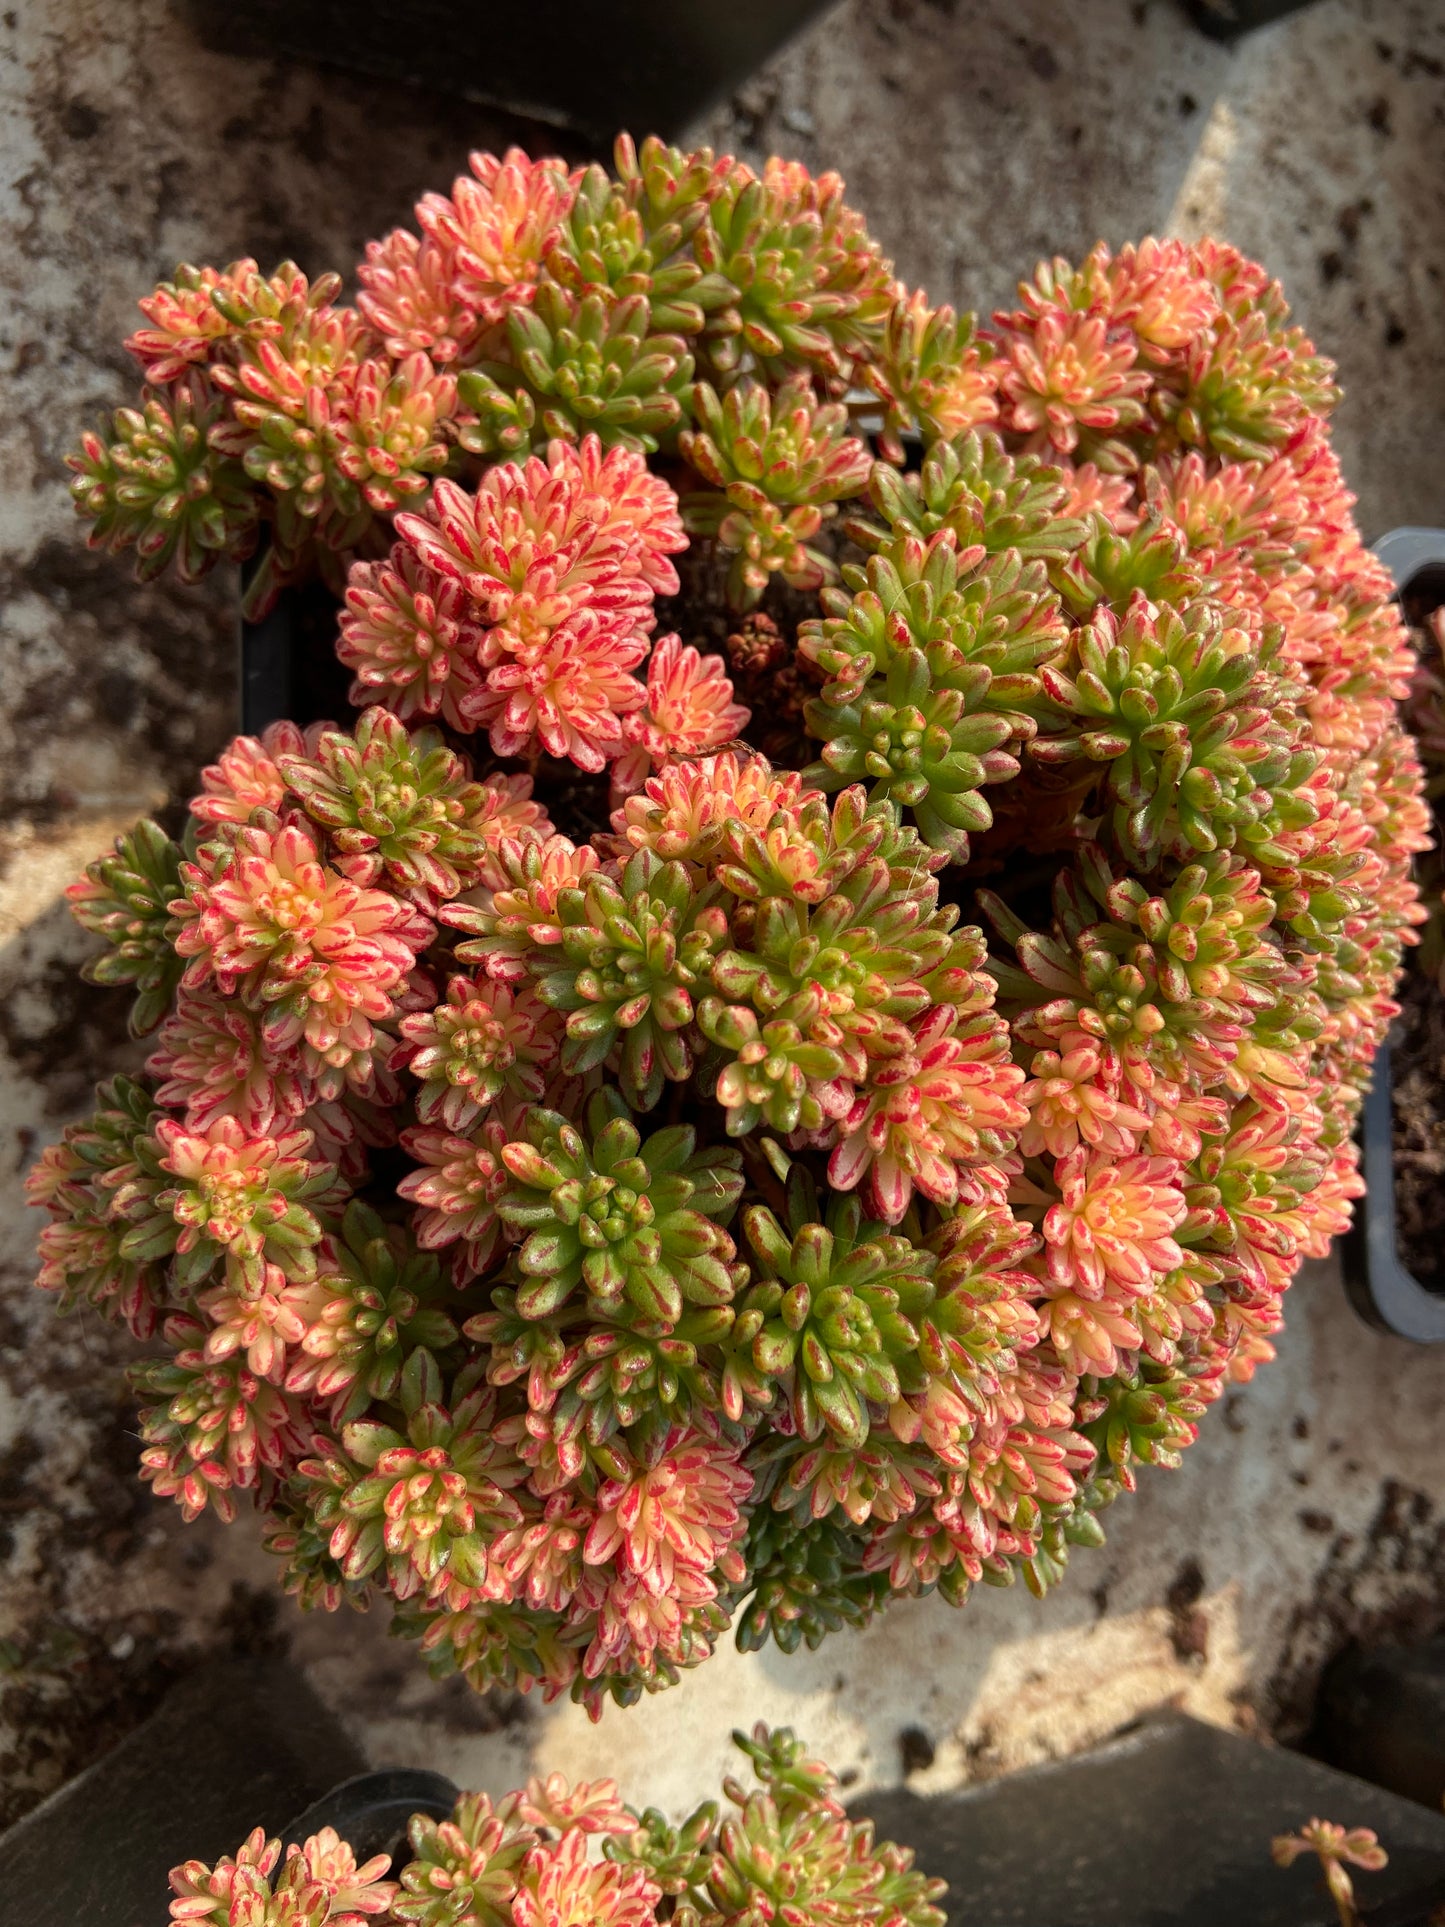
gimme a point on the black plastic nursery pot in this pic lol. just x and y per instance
(1230, 19)
(652, 65)
(1383, 1290)
(372, 1810)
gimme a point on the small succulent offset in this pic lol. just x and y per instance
(1338, 1848)
(554, 1855)
(653, 1131)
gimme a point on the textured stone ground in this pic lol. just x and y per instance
(977, 136)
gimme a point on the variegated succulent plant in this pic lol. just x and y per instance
(783, 1850)
(737, 1124)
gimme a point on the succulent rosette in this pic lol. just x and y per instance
(808, 1026)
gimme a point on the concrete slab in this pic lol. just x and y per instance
(977, 136)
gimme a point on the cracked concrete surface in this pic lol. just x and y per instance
(977, 136)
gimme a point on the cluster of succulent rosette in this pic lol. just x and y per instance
(647, 1132)
(554, 1855)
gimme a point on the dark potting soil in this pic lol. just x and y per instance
(1418, 1066)
(1418, 1039)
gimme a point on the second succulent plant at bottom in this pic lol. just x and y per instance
(553, 1855)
